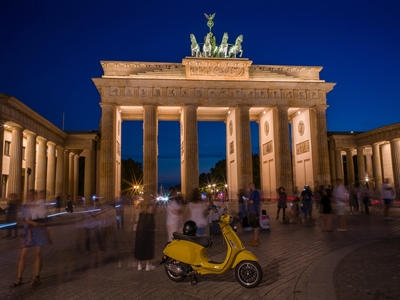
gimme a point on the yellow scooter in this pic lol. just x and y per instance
(187, 255)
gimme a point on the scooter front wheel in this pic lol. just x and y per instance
(248, 273)
(173, 269)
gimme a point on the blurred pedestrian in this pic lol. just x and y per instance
(70, 205)
(353, 200)
(242, 204)
(387, 193)
(306, 201)
(92, 224)
(365, 198)
(281, 202)
(12, 209)
(174, 214)
(198, 212)
(120, 211)
(59, 203)
(253, 209)
(326, 210)
(39, 239)
(145, 237)
(340, 196)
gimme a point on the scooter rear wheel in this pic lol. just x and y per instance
(173, 275)
(248, 273)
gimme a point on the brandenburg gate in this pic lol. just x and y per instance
(217, 86)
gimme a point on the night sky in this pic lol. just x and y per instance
(50, 50)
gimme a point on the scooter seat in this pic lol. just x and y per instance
(202, 240)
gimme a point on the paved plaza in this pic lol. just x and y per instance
(298, 261)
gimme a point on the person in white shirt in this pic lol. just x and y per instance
(339, 194)
(174, 214)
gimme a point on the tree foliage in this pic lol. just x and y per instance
(131, 175)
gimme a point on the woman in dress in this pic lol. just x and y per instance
(39, 239)
(145, 237)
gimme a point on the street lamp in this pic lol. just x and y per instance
(226, 192)
(213, 191)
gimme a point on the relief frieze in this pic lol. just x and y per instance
(217, 71)
(267, 148)
(114, 91)
(303, 147)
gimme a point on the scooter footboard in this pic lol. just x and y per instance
(244, 255)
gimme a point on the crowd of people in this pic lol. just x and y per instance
(105, 218)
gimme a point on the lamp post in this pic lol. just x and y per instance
(226, 192)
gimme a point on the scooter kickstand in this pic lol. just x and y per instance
(193, 279)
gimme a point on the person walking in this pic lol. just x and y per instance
(326, 210)
(339, 194)
(253, 208)
(198, 212)
(281, 202)
(387, 194)
(174, 214)
(145, 237)
(39, 239)
(306, 201)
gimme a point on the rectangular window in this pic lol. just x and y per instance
(7, 145)
(23, 153)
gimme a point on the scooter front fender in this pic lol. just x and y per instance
(243, 255)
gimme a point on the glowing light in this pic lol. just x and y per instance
(8, 224)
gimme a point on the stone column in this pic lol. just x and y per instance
(107, 152)
(60, 170)
(88, 186)
(350, 166)
(75, 177)
(71, 175)
(30, 159)
(66, 191)
(2, 188)
(51, 168)
(243, 144)
(323, 176)
(376, 152)
(190, 150)
(395, 149)
(339, 165)
(150, 175)
(282, 148)
(41, 164)
(368, 160)
(15, 170)
(332, 159)
(360, 164)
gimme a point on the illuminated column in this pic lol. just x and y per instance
(360, 164)
(376, 157)
(76, 177)
(149, 151)
(71, 173)
(15, 170)
(332, 159)
(30, 159)
(190, 167)
(60, 170)
(395, 149)
(368, 161)
(107, 152)
(88, 185)
(339, 165)
(51, 168)
(283, 164)
(41, 164)
(243, 144)
(66, 191)
(350, 166)
(323, 174)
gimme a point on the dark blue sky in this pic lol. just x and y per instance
(50, 50)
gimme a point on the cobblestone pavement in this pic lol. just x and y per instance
(298, 261)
